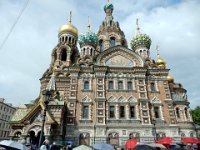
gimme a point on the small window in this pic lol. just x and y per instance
(120, 85)
(152, 86)
(122, 111)
(101, 45)
(86, 85)
(112, 111)
(156, 112)
(186, 113)
(63, 55)
(130, 85)
(110, 85)
(85, 112)
(177, 113)
(112, 41)
(132, 112)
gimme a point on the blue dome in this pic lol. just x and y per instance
(88, 38)
(109, 6)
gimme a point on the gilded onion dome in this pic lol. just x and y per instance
(88, 38)
(160, 62)
(141, 40)
(109, 6)
(69, 28)
(170, 79)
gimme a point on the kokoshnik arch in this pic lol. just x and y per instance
(105, 91)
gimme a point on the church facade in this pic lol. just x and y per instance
(105, 91)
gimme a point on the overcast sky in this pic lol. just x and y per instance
(174, 25)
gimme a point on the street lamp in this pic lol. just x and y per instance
(196, 130)
(47, 94)
(154, 129)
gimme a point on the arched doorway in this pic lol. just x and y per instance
(38, 137)
(33, 138)
(113, 138)
(84, 139)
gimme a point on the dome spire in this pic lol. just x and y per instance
(70, 17)
(89, 26)
(158, 51)
(137, 27)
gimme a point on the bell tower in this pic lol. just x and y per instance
(109, 33)
(66, 51)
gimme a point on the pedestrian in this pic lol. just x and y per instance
(45, 145)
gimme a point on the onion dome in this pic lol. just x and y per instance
(141, 40)
(69, 28)
(160, 62)
(170, 79)
(88, 38)
(109, 6)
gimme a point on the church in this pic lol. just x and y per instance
(102, 91)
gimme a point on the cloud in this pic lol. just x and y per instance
(173, 25)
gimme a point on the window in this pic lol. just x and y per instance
(101, 45)
(63, 55)
(85, 112)
(156, 112)
(120, 85)
(130, 85)
(186, 113)
(132, 112)
(122, 112)
(86, 85)
(112, 111)
(110, 85)
(112, 41)
(152, 87)
(177, 113)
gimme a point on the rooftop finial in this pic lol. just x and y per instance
(108, 1)
(137, 27)
(88, 26)
(70, 17)
(158, 53)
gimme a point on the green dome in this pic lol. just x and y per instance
(141, 40)
(88, 38)
(109, 6)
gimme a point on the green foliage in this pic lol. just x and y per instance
(196, 115)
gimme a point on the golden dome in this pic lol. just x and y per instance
(68, 28)
(160, 61)
(170, 78)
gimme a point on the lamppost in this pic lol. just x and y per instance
(154, 129)
(47, 94)
(196, 130)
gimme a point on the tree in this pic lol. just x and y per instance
(196, 115)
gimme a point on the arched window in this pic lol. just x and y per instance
(129, 84)
(83, 51)
(122, 111)
(186, 112)
(85, 112)
(123, 43)
(152, 87)
(112, 41)
(70, 39)
(91, 51)
(110, 85)
(156, 112)
(112, 111)
(132, 111)
(177, 112)
(120, 85)
(101, 45)
(63, 55)
(86, 85)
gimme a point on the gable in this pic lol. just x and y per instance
(119, 56)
